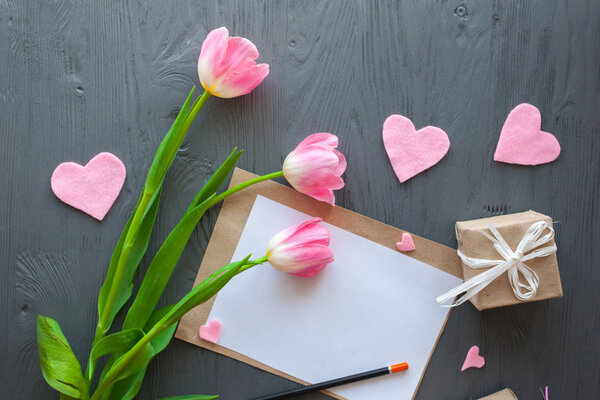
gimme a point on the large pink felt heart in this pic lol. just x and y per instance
(412, 151)
(523, 142)
(92, 189)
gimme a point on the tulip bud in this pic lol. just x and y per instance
(301, 250)
(227, 65)
(315, 167)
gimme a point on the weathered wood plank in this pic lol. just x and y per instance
(80, 78)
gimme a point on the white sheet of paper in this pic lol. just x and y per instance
(371, 307)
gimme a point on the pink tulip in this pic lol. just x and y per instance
(301, 250)
(315, 167)
(227, 65)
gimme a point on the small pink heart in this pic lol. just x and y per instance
(411, 151)
(92, 189)
(523, 142)
(406, 244)
(473, 360)
(211, 331)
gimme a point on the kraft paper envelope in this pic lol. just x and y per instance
(232, 220)
(505, 394)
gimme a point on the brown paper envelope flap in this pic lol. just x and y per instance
(505, 394)
(231, 222)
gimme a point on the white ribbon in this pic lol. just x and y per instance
(513, 264)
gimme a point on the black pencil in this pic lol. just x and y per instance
(335, 382)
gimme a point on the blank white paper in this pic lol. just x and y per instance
(371, 307)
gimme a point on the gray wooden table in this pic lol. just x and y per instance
(78, 78)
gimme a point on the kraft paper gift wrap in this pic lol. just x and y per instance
(505, 394)
(512, 227)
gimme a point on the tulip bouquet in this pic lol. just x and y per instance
(226, 68)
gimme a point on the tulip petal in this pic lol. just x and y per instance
(311, 233)
(211, 56)
(310, 161)
(341, 167)
(323, 139)
(330, 182)
(325, 195)
(310, 271)
(242, 82)
(240, 55)
(315, 152)
(310, 222)
(309, 255)
(313, 167)
(297, 258)
(280, 238)
(288, 233)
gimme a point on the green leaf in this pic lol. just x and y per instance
(140, 361)
(113, 263)
(168, 147)
(127, 388)
(164, 157)
(115, 343)
(59, 365)
(161, 268)
(217, 179)
(140, 245)
(191, 397)
(109, 363)
(203, 291)
(160, 341)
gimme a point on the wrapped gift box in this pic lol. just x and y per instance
(472, 243)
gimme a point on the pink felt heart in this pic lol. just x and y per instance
(523, 142)
(211, 331)
(412, 151)
(473, 360)
(92, 189)
(406, 244)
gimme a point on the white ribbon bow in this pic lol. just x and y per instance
(513, 264)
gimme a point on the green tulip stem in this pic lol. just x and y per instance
(253, 263)
(194, 111)
(244, 185)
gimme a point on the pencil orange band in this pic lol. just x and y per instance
(398, 367)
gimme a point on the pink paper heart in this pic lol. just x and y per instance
(406, 244)
(92, 189)
(211, 331)
(523, 142)
(411, 151)
(473, 360)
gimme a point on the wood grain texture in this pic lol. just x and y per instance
(78, 78)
